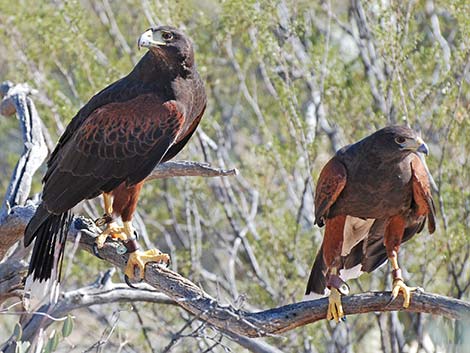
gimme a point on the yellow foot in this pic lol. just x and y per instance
(400, 286)
(335, 308)
(112, 230)
(140, 258)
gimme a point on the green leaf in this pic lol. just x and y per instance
(21, 347)
(52, 344)
(68, 326)
(18, 331)
(48, 347)
(55, 342)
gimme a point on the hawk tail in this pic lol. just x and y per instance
(317, 281)
(50, 232)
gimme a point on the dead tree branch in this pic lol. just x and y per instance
(277, 320)
(269, 322)
(173, 169)
(11, 229)
(15, 99)
(103, 291)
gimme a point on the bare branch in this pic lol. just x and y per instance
(173, 169)
(272, 321)
(436, 30)
(12, 273)
(15, 99)
(238, 322)
(374, 69)
(103, 291)
(12, 225)
(255, 346)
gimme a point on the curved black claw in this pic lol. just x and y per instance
(128, 282)
(391, 300)
(136, 235)
(99, 222)
(102, 221)
(96, 251)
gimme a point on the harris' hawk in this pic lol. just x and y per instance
(372, 196)
(112, 145)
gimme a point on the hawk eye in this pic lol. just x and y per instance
(167, 36)
(400, 140)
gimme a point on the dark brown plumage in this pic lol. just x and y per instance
(372, 195)
(118, 137)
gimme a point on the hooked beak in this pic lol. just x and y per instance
(150, 39)
(415, 145)
(422, 147)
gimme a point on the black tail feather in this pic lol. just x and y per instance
(50, 232)
(317, 279)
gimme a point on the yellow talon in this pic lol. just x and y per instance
(400, 286)
(137, 258)
(140, 258)
(112, 230)
(335, 308)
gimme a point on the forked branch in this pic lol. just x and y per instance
(271, 321)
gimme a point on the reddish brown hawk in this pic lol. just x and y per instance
(372, 196)
(113, 144)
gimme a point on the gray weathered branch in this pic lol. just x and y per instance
(15, 99)
(104, 291)
(11, 230)
(272, 321)
(173, 169)
(174, 288)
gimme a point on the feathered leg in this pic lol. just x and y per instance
(112, 230)
(332, 245)
(392, 241)
(123, 201)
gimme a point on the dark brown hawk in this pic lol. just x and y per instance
(372, 196)
(113, 144)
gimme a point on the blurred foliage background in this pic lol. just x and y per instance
(288, 82)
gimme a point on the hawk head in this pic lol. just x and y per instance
(170, 44)
(398, 141)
